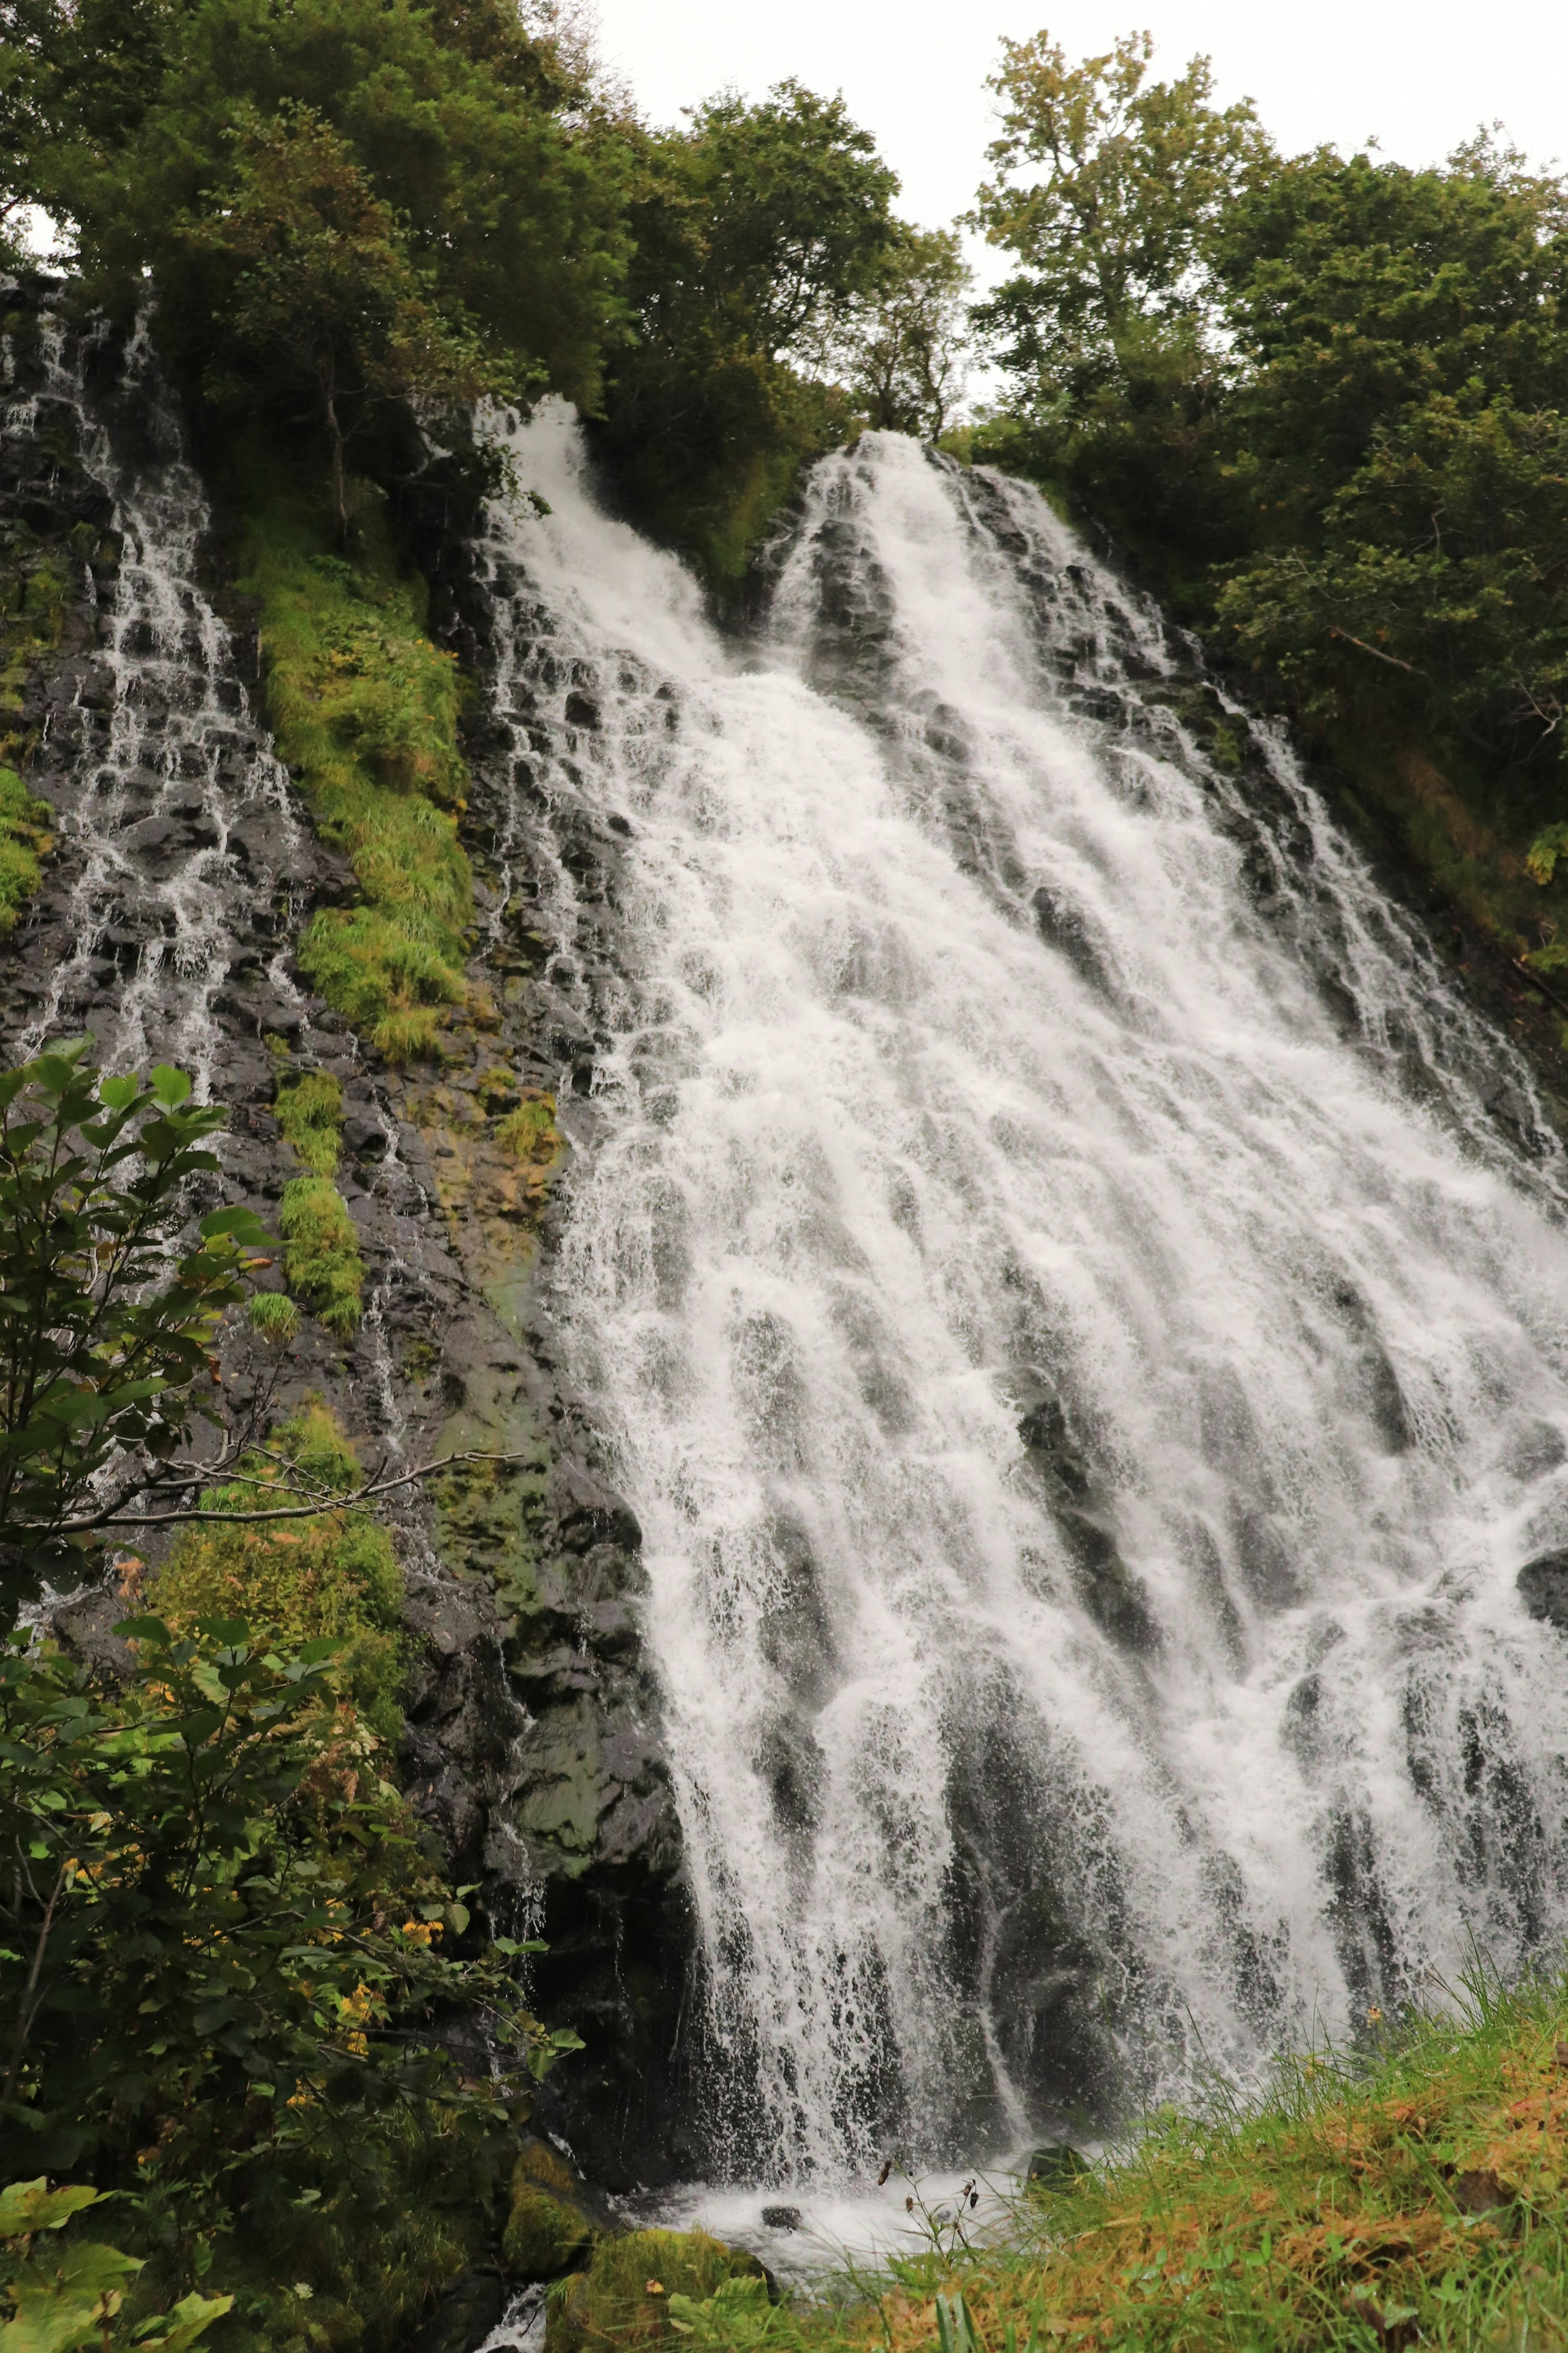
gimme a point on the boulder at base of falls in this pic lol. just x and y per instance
(1543, 1588)
(547, 2231)
(623, 2297)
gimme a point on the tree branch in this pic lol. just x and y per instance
(113, 1515)
(1393, 661)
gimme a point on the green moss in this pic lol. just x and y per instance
(274, 1315)
(311, 1114)
(24, 841)
(33, 601)
(366, 712)
(333, 1574)
(544, 2234)
(623, 2297)
(529, 1133)
(322, 1251)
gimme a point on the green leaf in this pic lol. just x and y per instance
(238, 1225)
(170, 1087)
(29, 2206)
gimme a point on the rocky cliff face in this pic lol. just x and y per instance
(184, 871)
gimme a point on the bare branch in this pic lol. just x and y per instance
(112, 1515)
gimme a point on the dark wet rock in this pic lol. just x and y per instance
(468, 2309)
(782, 2217)
(1543, 1588)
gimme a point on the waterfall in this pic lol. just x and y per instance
(179, 840)
(1078, 1303)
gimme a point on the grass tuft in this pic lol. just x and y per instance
(275, 1315)
(311, 1114)
(529, 1133)
(322, 1251)
(365, 709)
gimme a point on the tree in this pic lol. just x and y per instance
(756, 231)
(1131, 179)
(1400, 427)
(901, 347)
(503, 167)
(313, 266)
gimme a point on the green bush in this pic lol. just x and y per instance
(334, 1574)
(242, 1945)
(322, 1251)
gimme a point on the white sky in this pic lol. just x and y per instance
(1419, 78)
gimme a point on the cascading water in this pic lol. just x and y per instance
(179, 829)
(1088, 1362)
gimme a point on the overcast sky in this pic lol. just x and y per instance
(1418, 77)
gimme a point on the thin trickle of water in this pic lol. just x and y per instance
(1088, 1361)
(172, 879)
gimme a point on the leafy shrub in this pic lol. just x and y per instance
(66, 2298)
(221, 1980)
(333, 1575)
(323, 1254)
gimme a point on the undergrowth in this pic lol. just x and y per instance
(1408, 2194)
(364, 709)
(334, 1574)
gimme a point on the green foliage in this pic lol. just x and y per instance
(334, 1574)
(484, 138)
(66, 2299)
(529, 1133)
(323, 1253)
(311, 269)
(224, 1960)
(103, 1325)
(24, 839)
(1400, 434)
(901, 346)
(756, 230)
(1321, 402)
(309, 1111)
(32, 612)
(1116, 229)
(365, 711)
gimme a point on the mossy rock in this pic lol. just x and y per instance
(547, 2232)
(623, 2297)
(545, 2236)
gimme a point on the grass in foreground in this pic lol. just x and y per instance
(1414, 2195)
